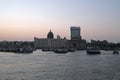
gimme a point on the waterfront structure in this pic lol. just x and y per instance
(44, 43)
(77, 44)
(76, 41)
(50, 42)
(75, 33)
(17, 46)
(61, 43)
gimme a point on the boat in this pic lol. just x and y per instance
(93, 51)
(71, 50)
(23, 50)
(47, 49)
(115, 52)
(60, 51)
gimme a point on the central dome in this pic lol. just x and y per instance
(50, 35)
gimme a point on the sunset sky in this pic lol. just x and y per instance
(24, 19)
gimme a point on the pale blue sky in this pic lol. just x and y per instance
(24, 19)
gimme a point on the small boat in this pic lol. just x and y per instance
(115, 52)
(47, 49)
(93, 51)
(71, 50)
(23, 50)
(60, 51)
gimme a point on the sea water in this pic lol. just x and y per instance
(51, 66)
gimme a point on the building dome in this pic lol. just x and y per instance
(50, 35)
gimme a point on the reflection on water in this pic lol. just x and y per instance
(50, 66)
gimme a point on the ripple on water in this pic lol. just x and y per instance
(50, 66)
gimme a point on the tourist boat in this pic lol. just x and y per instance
(60, 51)
(93, 51)
(115, 52)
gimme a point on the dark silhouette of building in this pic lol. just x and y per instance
(75, 33)
(50, 42)
(50, 35)
(55, 43)
(76, 41)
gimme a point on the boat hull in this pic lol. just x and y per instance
(115, 52)
(93, 52)
(60, 51)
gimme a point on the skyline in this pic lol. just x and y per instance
(26, 19)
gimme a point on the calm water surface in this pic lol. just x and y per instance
(50, 66)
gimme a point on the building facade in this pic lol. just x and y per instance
(50, 42)
(75, 33)
(76, 41)
(45, 43)
(56, 43)
(77, 44)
